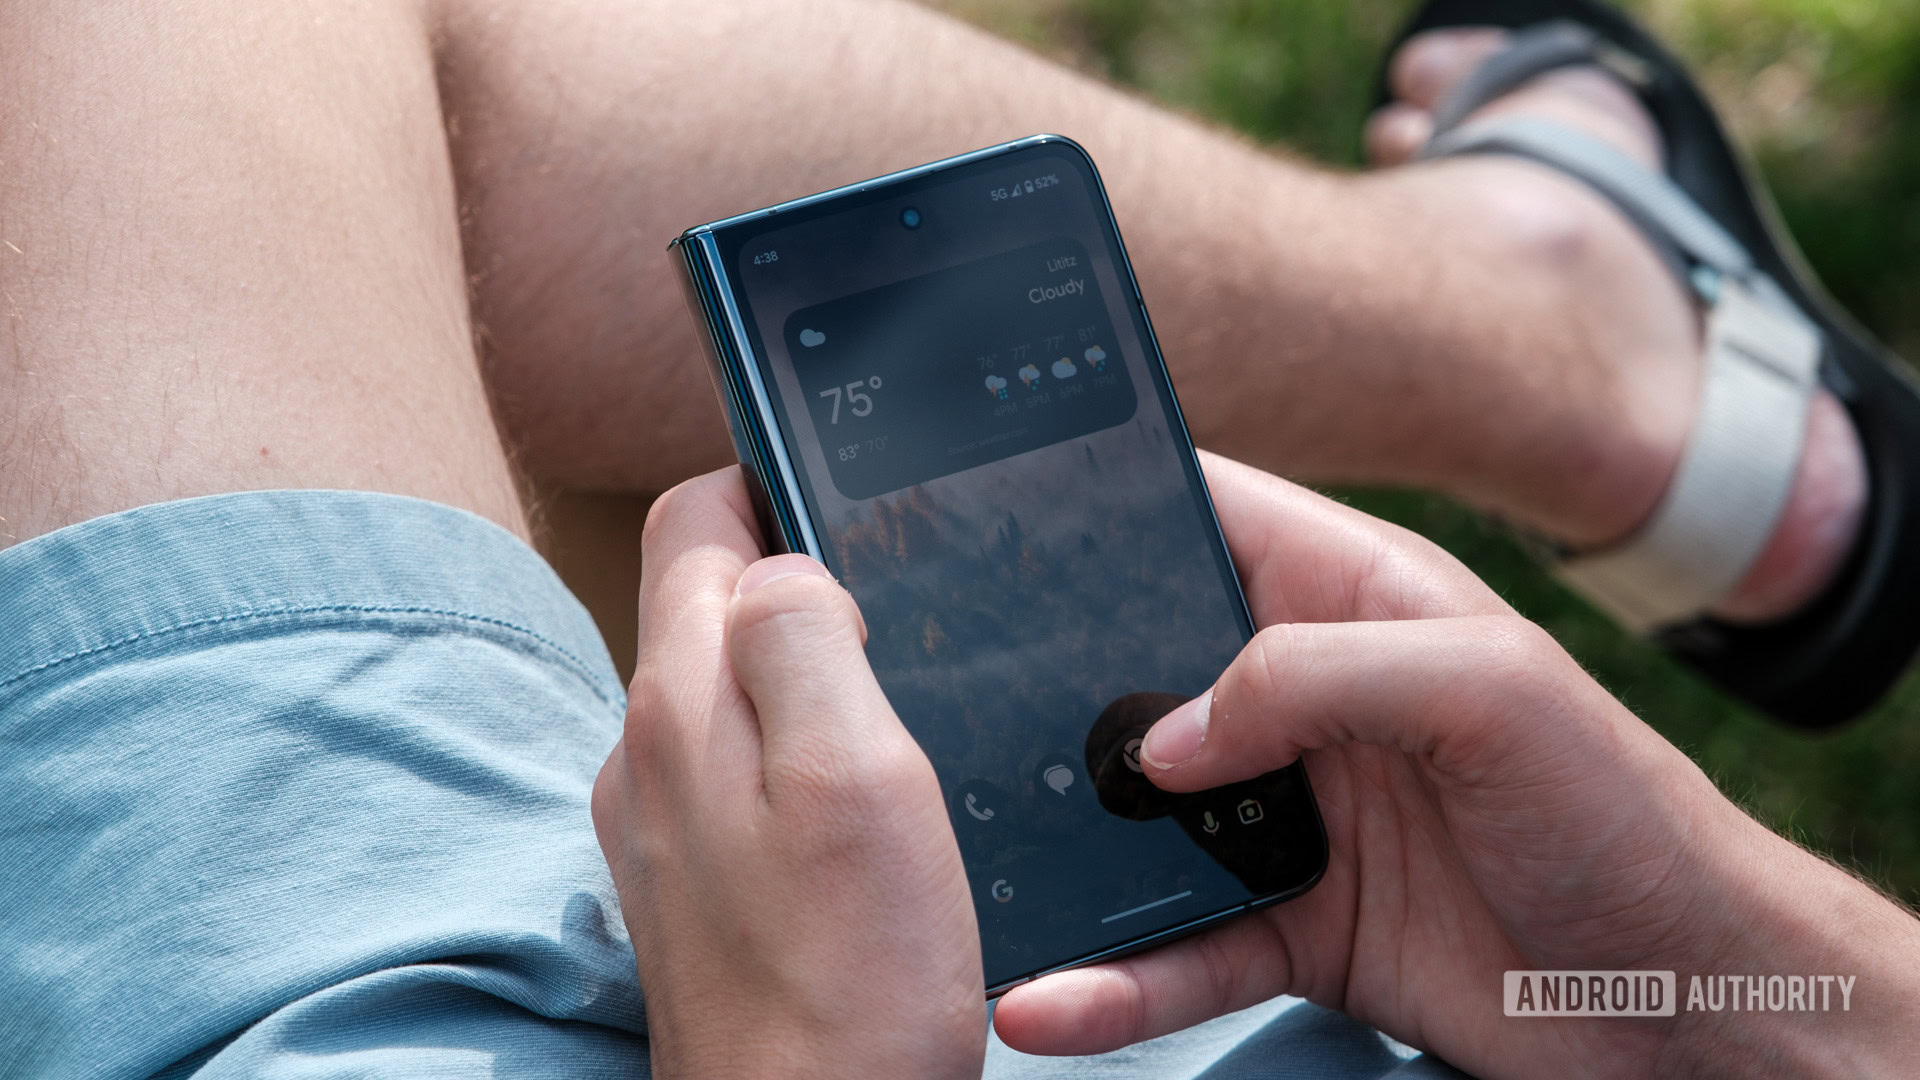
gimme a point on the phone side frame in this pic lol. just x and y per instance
(772, 483)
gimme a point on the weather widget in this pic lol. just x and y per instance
(958, 368)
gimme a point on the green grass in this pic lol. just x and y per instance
(1826, 93)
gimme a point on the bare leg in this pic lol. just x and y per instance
(1472, 327)
(230, 262)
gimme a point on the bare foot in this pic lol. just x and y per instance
(1641, 328)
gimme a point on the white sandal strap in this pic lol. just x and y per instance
(1761, 371)
(1762, 367)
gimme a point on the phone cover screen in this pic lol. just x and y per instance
(990, 451)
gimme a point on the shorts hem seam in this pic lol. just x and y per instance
(579, 667)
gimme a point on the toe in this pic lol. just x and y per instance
(1396, 133)
(1431, 64)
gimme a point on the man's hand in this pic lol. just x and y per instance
(782, 852)
(1489, 808)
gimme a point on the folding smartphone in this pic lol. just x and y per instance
(943, 385)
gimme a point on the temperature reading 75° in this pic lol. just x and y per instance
(859, 402)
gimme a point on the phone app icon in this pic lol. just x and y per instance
(1002, 890)
(980, 801)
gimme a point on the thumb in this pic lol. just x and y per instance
(1460, 692)
(797, 645)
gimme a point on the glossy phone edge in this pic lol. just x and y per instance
(775, 485)
(1173, 933)
(902, 175)
(771, 479)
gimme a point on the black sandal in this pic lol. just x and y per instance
(1774, 335)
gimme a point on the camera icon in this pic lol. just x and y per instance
(1250, 811)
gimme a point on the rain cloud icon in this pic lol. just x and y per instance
(1097, 356)
(997, 386)
(1063, 369)
(1029, 375)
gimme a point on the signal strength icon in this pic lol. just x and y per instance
(1015, 193)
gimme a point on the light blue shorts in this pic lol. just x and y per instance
(294, 784)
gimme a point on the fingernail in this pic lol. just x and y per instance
(767, 571)
(1177, 738)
